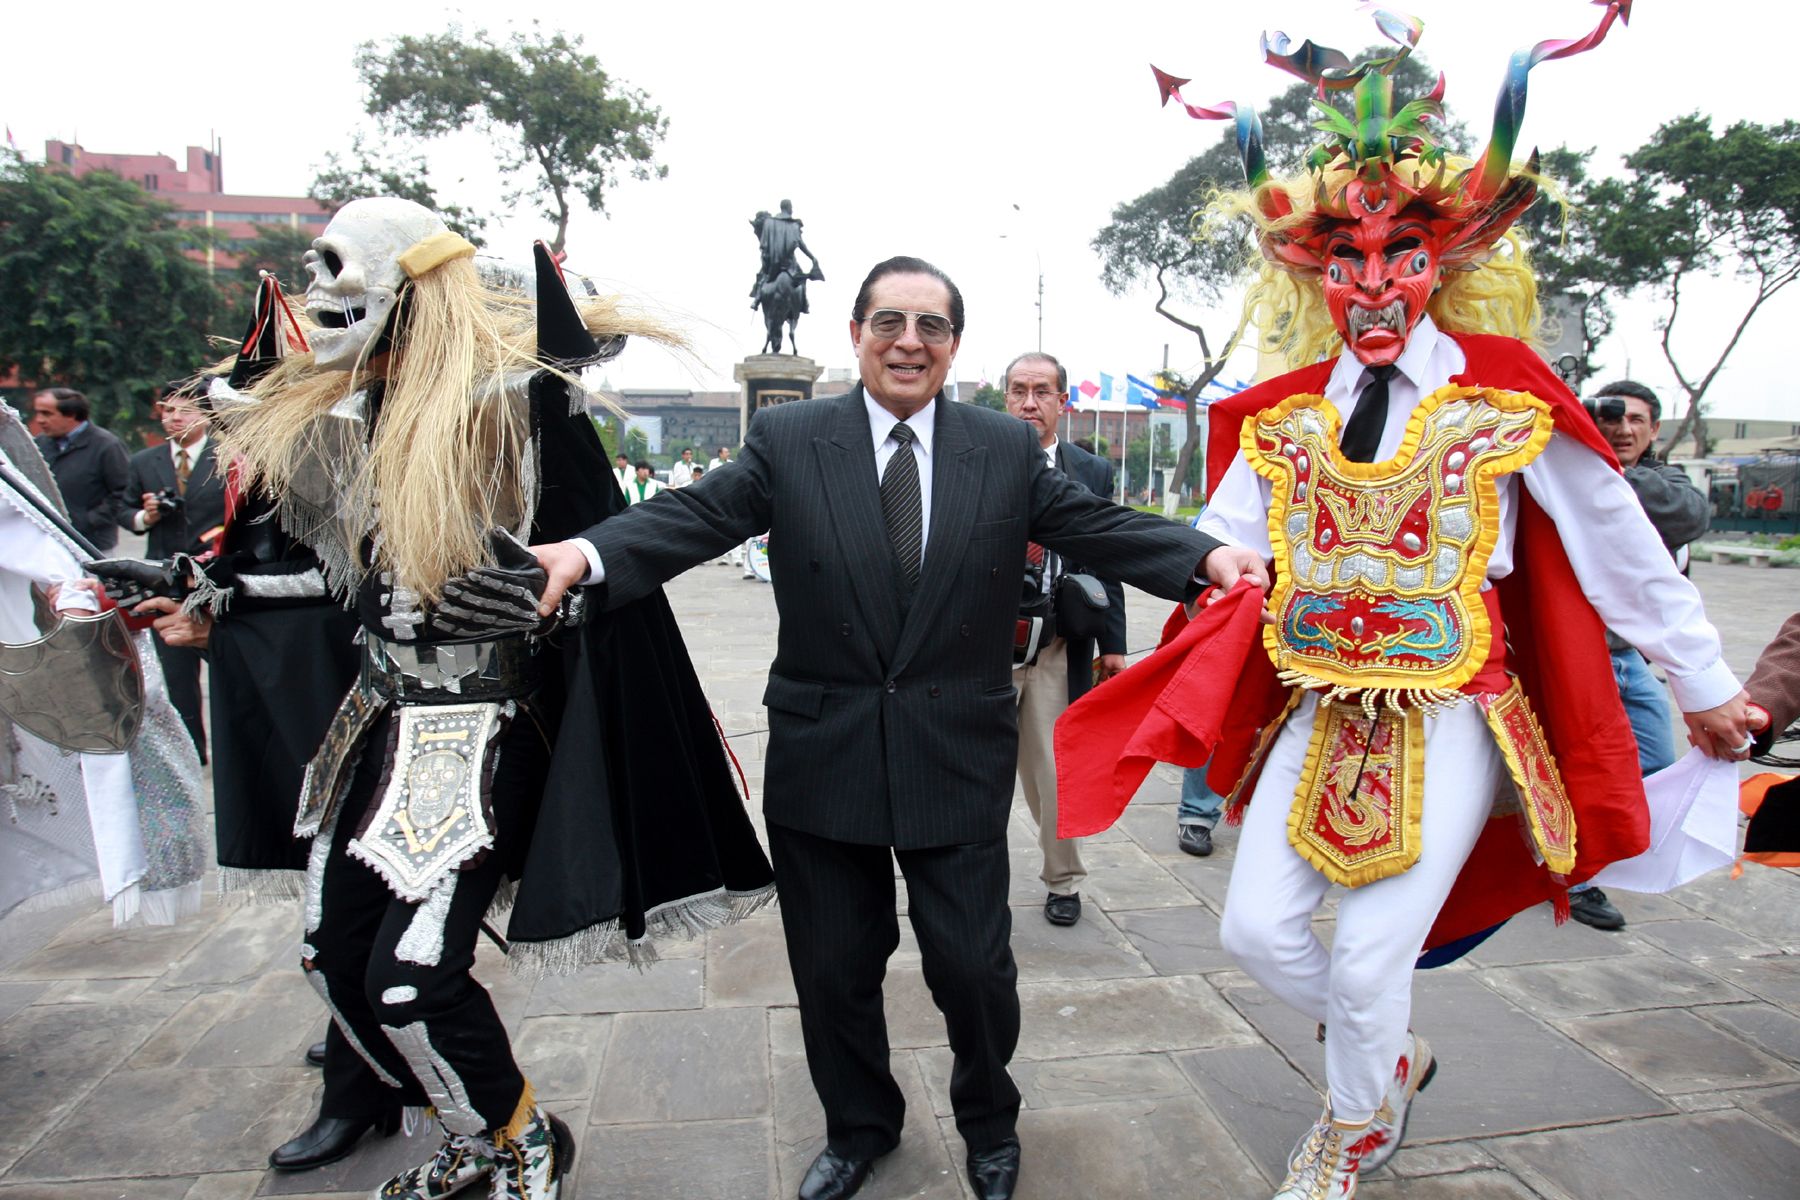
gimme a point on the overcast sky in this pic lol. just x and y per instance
(994, 140)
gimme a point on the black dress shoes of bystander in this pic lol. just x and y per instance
(328, 1139)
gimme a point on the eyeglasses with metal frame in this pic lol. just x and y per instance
(934, 328)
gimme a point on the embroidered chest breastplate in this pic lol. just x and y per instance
(1379, 565)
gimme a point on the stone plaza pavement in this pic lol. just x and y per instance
(1661, 1063)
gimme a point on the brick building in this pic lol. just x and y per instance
(197, 192)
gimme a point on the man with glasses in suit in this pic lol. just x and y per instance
(898, 522)
(179, 492)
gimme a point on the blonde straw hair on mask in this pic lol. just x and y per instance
(448, 459)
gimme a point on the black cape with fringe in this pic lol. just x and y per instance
(278, 670)
(641, 830)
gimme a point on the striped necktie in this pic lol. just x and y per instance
(182, 470)
(900, 504)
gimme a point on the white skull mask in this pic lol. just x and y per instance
(356, 276)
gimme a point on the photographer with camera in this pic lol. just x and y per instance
(1062, 613)
(181, 509)
(1630, 417)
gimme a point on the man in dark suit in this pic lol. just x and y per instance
(897, 522)
(182, 468)
(89, 463)
(1052, 670)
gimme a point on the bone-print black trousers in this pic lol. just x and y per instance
(397, 975)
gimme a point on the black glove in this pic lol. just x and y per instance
(493, 601)
(131, 581)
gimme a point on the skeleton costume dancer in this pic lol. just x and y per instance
(484, 758)
(1429, 722)
(281, 653)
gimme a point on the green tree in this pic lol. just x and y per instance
(1575, 276)
(556, 117)
(1702, 205)
(100, 293)
(989, 396)
(1158, 239)
(382, 169)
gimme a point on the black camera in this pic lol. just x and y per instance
(170, 502)
(1605, 408)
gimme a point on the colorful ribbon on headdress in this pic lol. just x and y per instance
(1249, 125)
(1490, 173)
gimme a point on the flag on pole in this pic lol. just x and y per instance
(1073, 397)
(1106, 387)
(1140, 393)
(1089, 388)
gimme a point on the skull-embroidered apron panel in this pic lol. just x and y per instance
(431, 815)
(1379, 565)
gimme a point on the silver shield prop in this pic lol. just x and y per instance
(80, 687)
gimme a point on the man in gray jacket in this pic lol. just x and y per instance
(1630, 417)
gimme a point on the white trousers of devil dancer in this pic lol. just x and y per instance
(1360, 988)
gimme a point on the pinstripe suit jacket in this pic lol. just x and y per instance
(891, 723)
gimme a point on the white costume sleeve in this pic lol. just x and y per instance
(1238, 513)
(1627, 574)
(29, 552)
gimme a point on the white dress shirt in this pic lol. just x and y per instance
(681, 474)
(881, 425)
(1618, 558)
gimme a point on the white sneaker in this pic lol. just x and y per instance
(1325, 1164)
(1412, 1075)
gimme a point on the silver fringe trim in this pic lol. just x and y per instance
(316, 977)
(423, 941)
(502, 903)
(163, 906)
(207, 597)
(437, 1077)
(606, 942)
(245, 885)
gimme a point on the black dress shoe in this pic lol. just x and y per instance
(1194, 839)
(315, 1054)
(1591, 907)
(329, 1139)
(994, 1174)
(834, 1177)
(1062, 910)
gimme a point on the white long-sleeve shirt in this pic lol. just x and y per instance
(1618, 558)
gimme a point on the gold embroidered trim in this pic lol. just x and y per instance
(1357, 807)
(1471, 444)
(1548, 813)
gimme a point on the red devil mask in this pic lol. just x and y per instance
(1380, 268)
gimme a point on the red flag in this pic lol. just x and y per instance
(1089, 388)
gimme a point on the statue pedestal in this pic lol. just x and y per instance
(772, 379)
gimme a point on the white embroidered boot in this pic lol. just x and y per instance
(1412, 1075)
(461, 1161)
(1324, 1166)
(532, 1155)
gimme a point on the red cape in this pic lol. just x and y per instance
(1160, 711)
